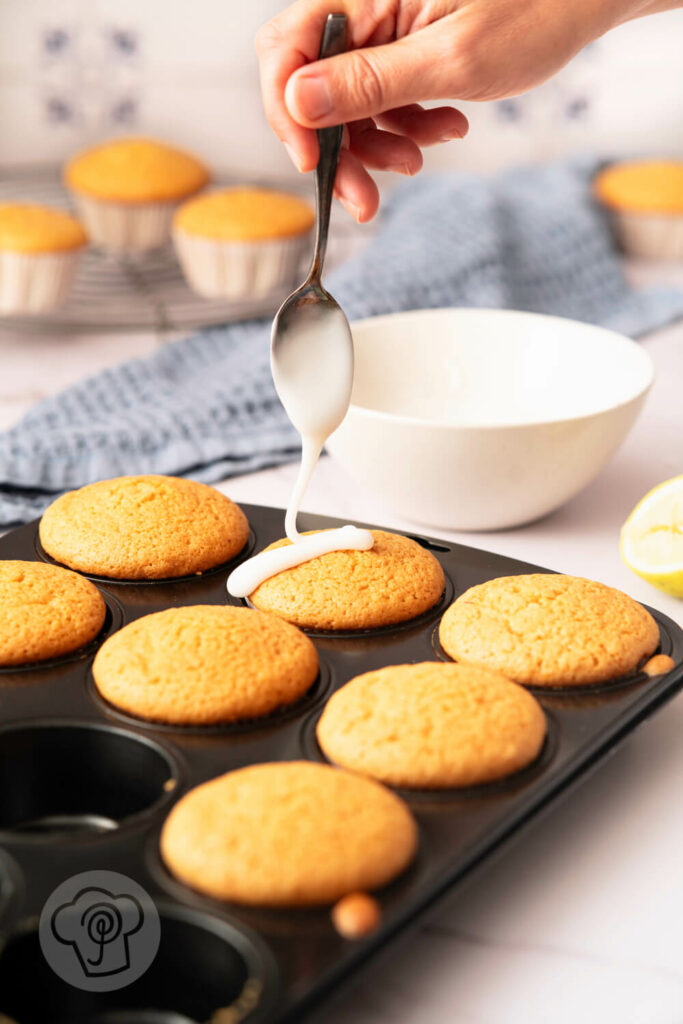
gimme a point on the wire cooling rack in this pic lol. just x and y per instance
(146, 291)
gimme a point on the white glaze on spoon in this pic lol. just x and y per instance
(313, 376)
(244, 580)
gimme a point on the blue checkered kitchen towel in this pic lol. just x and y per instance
(205, 407)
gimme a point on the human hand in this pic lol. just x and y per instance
(406, 51)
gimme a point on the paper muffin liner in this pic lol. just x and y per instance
(35, 282)
(232, 270)
(125, 227)
(655, 236)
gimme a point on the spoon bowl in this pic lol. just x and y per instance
(312, 360)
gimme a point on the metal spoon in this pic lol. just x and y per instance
(311, 350)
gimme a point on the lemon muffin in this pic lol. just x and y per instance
(46, 612)
(39, 251)
(241, 241)
(143, 527)
(204, 664)
(292, 834)
(549, 630)
(127, 191)
(432, 726)
(646, 201)
(396, 580)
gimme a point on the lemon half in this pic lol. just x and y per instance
(652, 537)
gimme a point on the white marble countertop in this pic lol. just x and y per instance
(580, 919)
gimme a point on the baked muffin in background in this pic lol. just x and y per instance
(393, 582)
(549, 630)
(432, 726)
(645, 199)
(39, 251)
(127, 191)
(143, 527)
(47, 612)
(291, 834)
(204, 665)
(238, 242)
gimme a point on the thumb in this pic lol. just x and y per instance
(365, 82)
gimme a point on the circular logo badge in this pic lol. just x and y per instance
(99, 931)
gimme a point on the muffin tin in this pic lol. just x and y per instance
(83, 787)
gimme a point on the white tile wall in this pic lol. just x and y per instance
(72, 71)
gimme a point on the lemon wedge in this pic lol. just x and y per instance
(652, 537)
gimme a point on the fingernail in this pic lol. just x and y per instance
(293, 156)
(313, 96)
(452, 136)
(351, 207)
(401, 169)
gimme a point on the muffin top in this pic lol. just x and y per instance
(135, 170)
(143, 527)
(549, 630)
(27, 227)
(432, 725)
(46, 612)
(288, 834)
(394, 581)
(244, 214)
(205, 664)
(647, 186)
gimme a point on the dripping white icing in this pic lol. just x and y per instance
(313, 376)
(244, 580)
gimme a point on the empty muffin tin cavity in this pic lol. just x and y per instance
(589, 690)
(10, 880)
(66, 779)
(113, 621)
(314, 696)
(205, 969)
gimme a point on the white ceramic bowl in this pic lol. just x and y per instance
(475, 419)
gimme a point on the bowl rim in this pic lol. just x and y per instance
(647, 364)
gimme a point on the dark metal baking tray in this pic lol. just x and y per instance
(85, 787)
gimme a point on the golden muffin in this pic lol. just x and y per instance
(432, 726)
(39, 252)
(396, 580)
(143, 527)
(46, 612)
(291, 834)
(241, 241)
(645, 198)
(127, 190)
(549, 630)
(204, 664)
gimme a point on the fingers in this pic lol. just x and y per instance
(290, 41)
(383, 151)
(365, 82)
(425, 127)
(355, 189)
(277, 61)
(378, 78)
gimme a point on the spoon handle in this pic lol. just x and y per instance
(329, 142)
